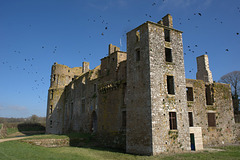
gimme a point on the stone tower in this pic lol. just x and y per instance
(203, 71)
(61, 76)
(157, 117)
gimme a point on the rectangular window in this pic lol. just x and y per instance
(168, 55)
(167, 35)
(83, 105)
(189, 91)
(83, 90)
(170, 84)
(138, 35)
(54, 77)
(51, 109)
(173, 120)
(50, 123)
(51, 94)
(94, 87)
(190, 118)
(138, 55)
(209, 95)
(124, 119)
(211, 120)
(71, 111)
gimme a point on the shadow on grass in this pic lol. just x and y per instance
(31, 128)
(86, 140)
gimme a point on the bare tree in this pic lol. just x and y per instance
(233, 78)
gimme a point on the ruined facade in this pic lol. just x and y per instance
(140, 100)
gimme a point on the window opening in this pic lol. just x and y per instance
(167, 35)
(83, 105)
(190, 118)
(170, 84)
(71, 111)
(209, 95)
(124, 119)
(51, 94)
(173, 120)
(50, 123)
(138, 35)
(168, 54)
(211, 120)
(138, 55)
(94, 87)
(51, 109)
(189, 91)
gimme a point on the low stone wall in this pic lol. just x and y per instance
(49, 142)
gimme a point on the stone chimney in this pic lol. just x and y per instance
(85, 67)
(112, 49)
(167, 21)
(203, 71)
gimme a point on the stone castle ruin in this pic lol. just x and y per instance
(140, 100)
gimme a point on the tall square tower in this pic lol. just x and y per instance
(157, 117)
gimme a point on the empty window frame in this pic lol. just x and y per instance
(211, 120)
(168, 55)
(50, 123)
(190, 118)
(54, 77)
(83, 89)
(71, 111)
(173, 120)
(138, 55)
(51, 109)
(138, 35)
(83, 106)
(209, 95)
(167, 35)
(170, 84)
(95, 88)
(189, 91)
(51, 94)
(124, 119)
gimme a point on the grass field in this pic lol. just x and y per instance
(21, 150)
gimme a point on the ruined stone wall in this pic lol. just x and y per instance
(222, 133)
(80, 102)
(203, 71)
(61, 75)
(127, 100)
(164, 138)
(111, 88)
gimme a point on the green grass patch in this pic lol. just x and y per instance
(48, 136)
(21, 150)
(11, 130)
(0, 125)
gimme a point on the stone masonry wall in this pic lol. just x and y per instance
(222, 107)
(139, 124)
(165, 139)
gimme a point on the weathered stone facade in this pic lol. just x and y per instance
(138, 100)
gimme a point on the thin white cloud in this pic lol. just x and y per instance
(104, 5)
(207, 3)
(183, 4)
(13, 111)
(17, 108)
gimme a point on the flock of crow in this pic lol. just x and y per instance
(39, 82)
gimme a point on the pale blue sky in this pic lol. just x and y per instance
(36, 33)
